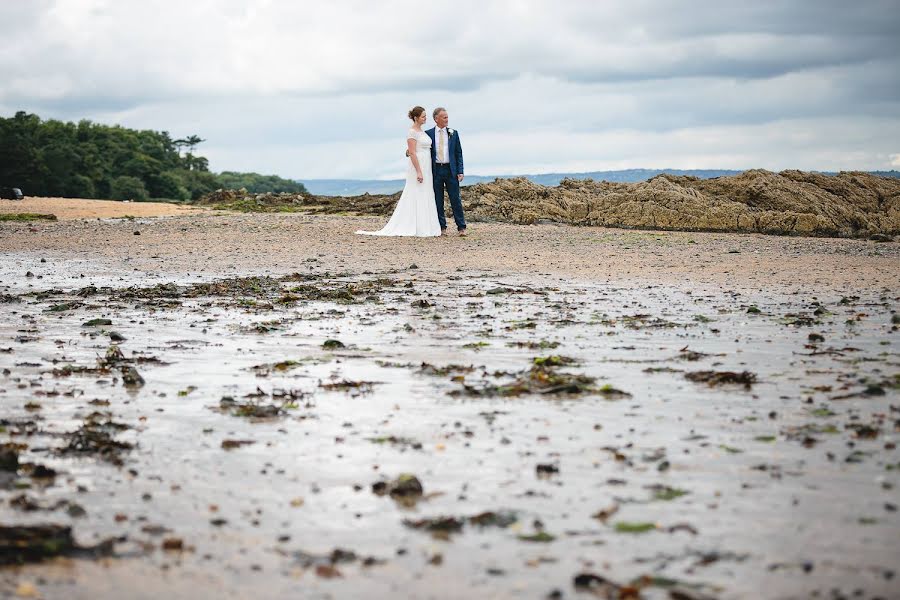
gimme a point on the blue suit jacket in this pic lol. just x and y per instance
(454, 151)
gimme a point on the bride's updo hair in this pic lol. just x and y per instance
(415, 111)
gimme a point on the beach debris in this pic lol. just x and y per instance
(28, 503)
(252, 410)
(665, 492)
(97, 323)
(233, 444)
(406, 489)
(635, 526)
(547, 470)
(34, 543)
(501, 519)
(716, 378)
(401, 442)
(173, 544)
(131, 378)
(452, 369)
(9, 457)
(439, 527)
(346, 385)
(442, 526)
(543, 377)
(95, 438)
(601, 587)
(325, 565)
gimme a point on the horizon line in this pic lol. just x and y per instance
(826, 171)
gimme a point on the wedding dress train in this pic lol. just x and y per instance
(416, 211)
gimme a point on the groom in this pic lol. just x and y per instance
(447, 167)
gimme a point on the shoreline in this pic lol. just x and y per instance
(210, 243)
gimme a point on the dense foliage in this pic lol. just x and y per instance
(90, 160)
(254, 182)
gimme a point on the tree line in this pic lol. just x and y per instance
(91, 160)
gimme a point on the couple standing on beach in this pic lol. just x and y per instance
(435, 164)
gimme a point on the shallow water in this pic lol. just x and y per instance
(761, 510)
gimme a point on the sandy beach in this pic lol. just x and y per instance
(269, 405)
(208, 243)
(67, 209)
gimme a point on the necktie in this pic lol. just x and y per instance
(441, 147)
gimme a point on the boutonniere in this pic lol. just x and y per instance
(449, 131)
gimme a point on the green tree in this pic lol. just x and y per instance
(92, 160)
(167, 185)
(126, 187)
(198, 183)
(80, 186)
(254, 182)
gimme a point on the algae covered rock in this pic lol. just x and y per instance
(849, 204)
(791, 202)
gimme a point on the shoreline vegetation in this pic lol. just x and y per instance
(848, 204)
(50, 158)
(25, 216)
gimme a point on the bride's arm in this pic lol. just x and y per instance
(411, 148)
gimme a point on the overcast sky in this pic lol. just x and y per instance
(321, 89)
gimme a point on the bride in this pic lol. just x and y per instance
(415, 213)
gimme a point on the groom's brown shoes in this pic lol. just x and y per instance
(462, 233)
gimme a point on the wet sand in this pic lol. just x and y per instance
(693, 415)
(209, 244)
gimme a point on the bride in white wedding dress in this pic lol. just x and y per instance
(416, 211)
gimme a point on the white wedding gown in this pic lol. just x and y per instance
(416, 211)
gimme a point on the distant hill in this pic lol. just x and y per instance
(356, 187)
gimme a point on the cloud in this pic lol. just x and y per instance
(319, 89)
(260, 46)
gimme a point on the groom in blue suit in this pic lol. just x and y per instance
(447, 167)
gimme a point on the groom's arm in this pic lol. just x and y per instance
(459, 158)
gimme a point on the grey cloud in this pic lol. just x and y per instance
(793, 17)
(23, 16)
(596, 42)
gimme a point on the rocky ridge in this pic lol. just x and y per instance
(849, 204)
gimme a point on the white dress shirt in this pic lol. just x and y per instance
(437, 144)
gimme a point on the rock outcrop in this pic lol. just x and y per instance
(244, 201)
(790, 202)
(849, 204)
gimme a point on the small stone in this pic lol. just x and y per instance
(9, 459)
(173, 544)
(131, 377)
